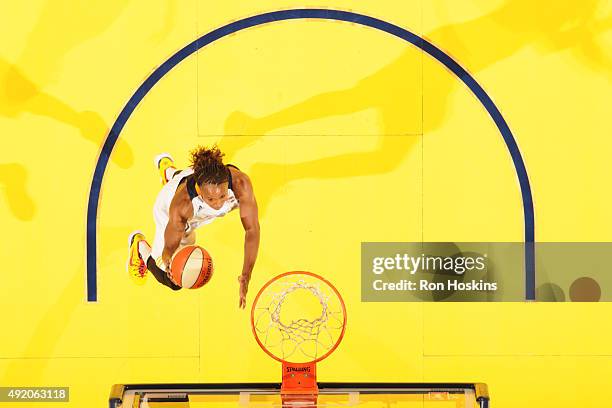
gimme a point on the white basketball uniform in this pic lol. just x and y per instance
(202, 213)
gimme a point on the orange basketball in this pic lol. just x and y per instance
(191, 267)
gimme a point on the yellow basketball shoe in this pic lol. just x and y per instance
(163, 162)
(136, 266)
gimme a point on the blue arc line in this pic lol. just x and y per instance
(325, 14)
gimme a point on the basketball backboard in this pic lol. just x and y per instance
(264, 395)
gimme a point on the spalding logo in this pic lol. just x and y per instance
(298, 369)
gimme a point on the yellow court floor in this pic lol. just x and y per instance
(349, 135)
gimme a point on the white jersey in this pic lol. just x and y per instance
(202, 213)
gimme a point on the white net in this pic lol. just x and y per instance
(299, 318)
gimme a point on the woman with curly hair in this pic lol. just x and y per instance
(196, 196)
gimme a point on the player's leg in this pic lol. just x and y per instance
(138, 267)
(139, 250)
(154, 261)
(157, 268)
(160, 274)
(166, 167)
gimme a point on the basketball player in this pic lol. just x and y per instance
(189, 199)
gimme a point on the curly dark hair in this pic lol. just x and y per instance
(208, 167)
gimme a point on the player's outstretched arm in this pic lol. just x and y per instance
(250, 222)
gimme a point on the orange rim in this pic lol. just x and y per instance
(282, 275)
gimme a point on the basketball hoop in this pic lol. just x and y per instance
(298, 318)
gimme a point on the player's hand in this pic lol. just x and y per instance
(244, 288)
(164, 265)
(166, 261)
